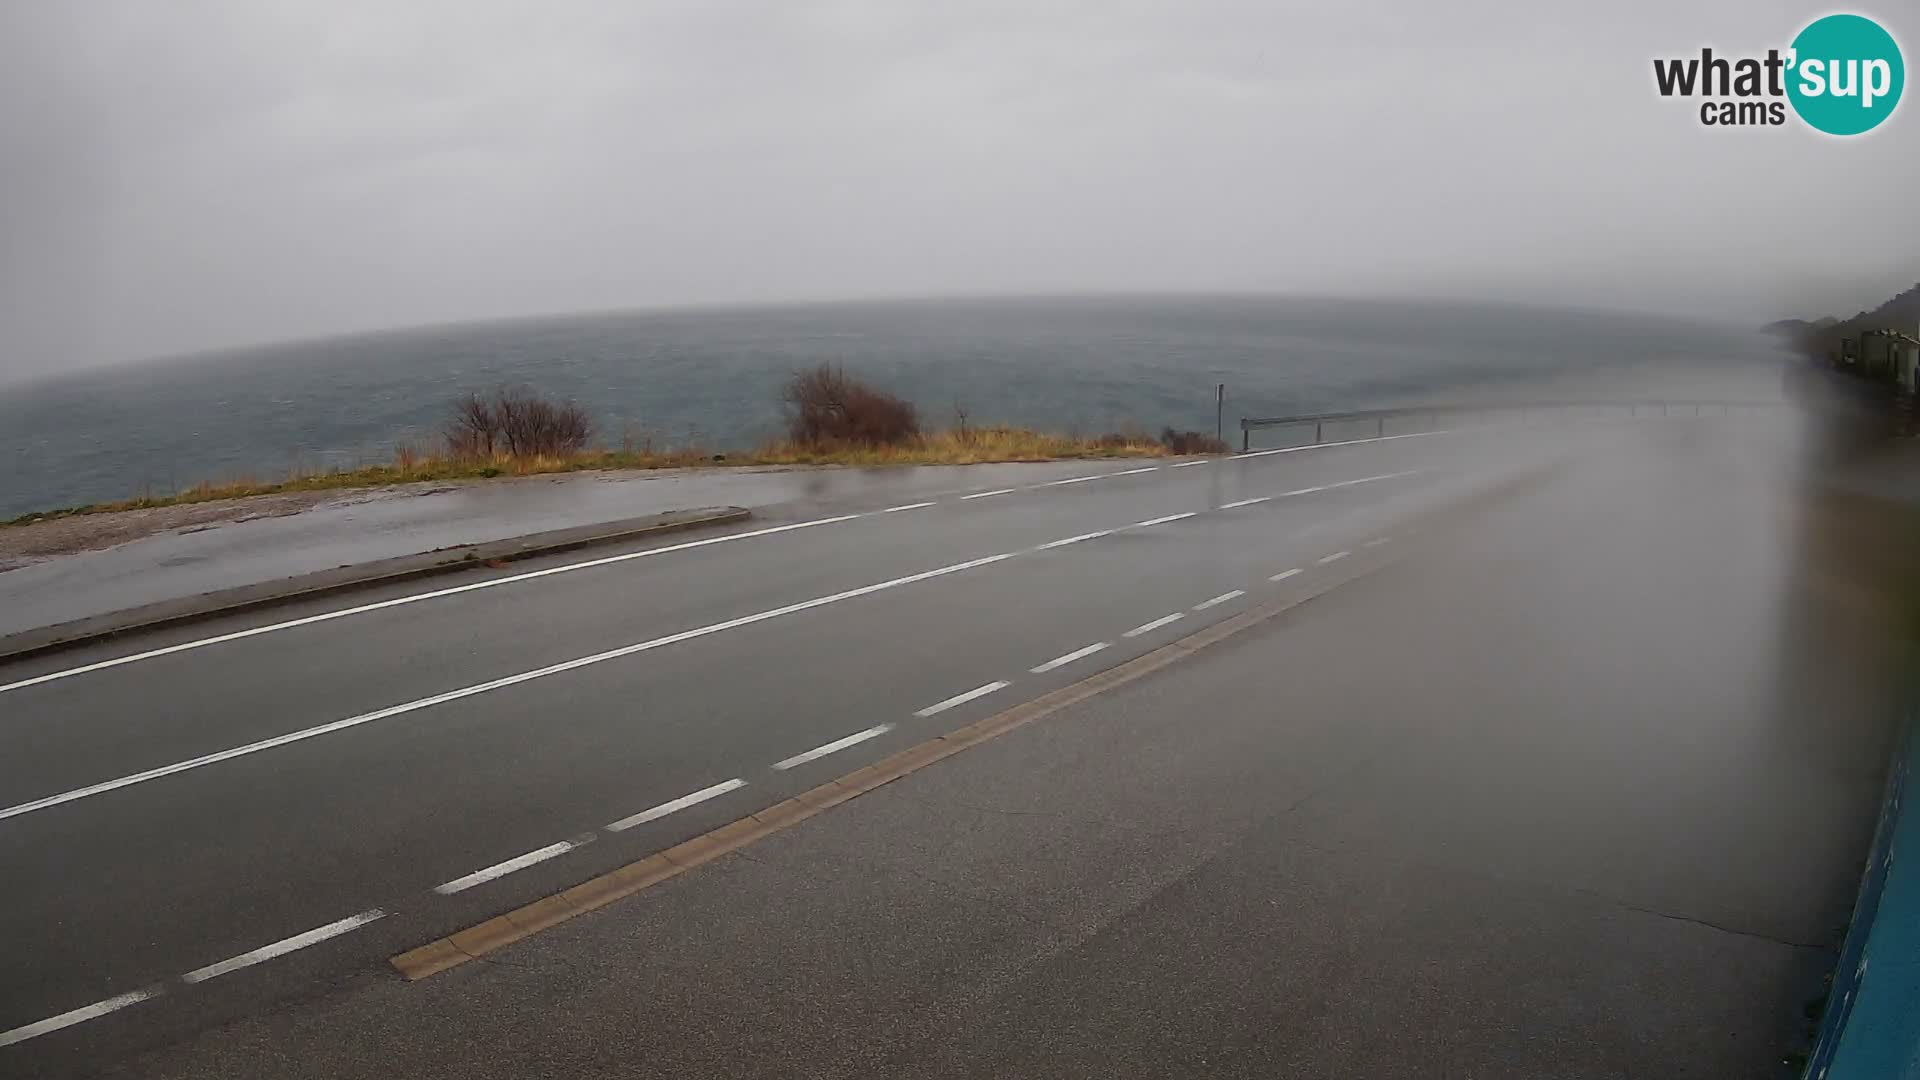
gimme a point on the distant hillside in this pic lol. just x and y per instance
(1822, 337)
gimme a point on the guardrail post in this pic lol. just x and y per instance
(1316, 432)
(1246, 436)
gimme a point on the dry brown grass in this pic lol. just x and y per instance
(975, 446)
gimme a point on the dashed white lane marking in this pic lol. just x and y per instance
(1150, 522)
(381, 605)
(75, 1016)
(1218, 600)
(1148, 628)
(1188, 464)
(490, 685)
(1135, 472)
(835, 746)
(552, 669)
(909, 506)
(1346, 442)
(502, 869)
(1335, 557)
(1075, 480)
(1063, 661)
(1284, 574)
(1074, 539)
(283, 946)
(961, 699)
(672, 806)
(1376, 541)
(1245, 502)
(987, 494)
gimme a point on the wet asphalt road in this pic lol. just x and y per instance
(1567, 786)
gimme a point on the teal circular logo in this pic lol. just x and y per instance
(1846, 74)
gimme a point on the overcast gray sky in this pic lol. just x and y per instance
(182, 175)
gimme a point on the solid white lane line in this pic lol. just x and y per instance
(1218, 600)
(1285, 574)
(1245, 502)
(909, 506)
(676, 805)
(985, 494)
(283, 946)
(327, 616)
(502, 869)
(1189, 464)
(75, 1016)
(1074, 539)
(1335, 557)
(1376, 541)
(1148, 628)
(1347, 442)
(961, 699)
(1063, 661)
(1150, 522)
(491, 685)
(835, 746)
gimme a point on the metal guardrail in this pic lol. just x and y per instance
(1482, 414)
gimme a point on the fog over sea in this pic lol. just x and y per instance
(712, 377)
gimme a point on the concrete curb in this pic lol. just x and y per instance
(323, 583)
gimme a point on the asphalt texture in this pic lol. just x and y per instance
(1574, 785)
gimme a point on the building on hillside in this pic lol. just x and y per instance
(1891, 356)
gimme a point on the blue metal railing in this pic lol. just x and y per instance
(1871, 1027)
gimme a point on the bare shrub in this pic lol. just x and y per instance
(826, 406)
(518, 423)
(1191, 442)
(472, 427)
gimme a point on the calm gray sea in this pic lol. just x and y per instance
(712, 377)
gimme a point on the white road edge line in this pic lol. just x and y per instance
(283, 946)
(987, 494)
(1285, 574)
(833, 747)
(1068, 658)
(1218, 600)
(1245, 502)
(490, 685)
(675, 805)
(909, 506)
(1346, 442)
(502, 869)
(960, 699)
(76, 1016)
(1335, 557)
(1148, 628)
(381, 605)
